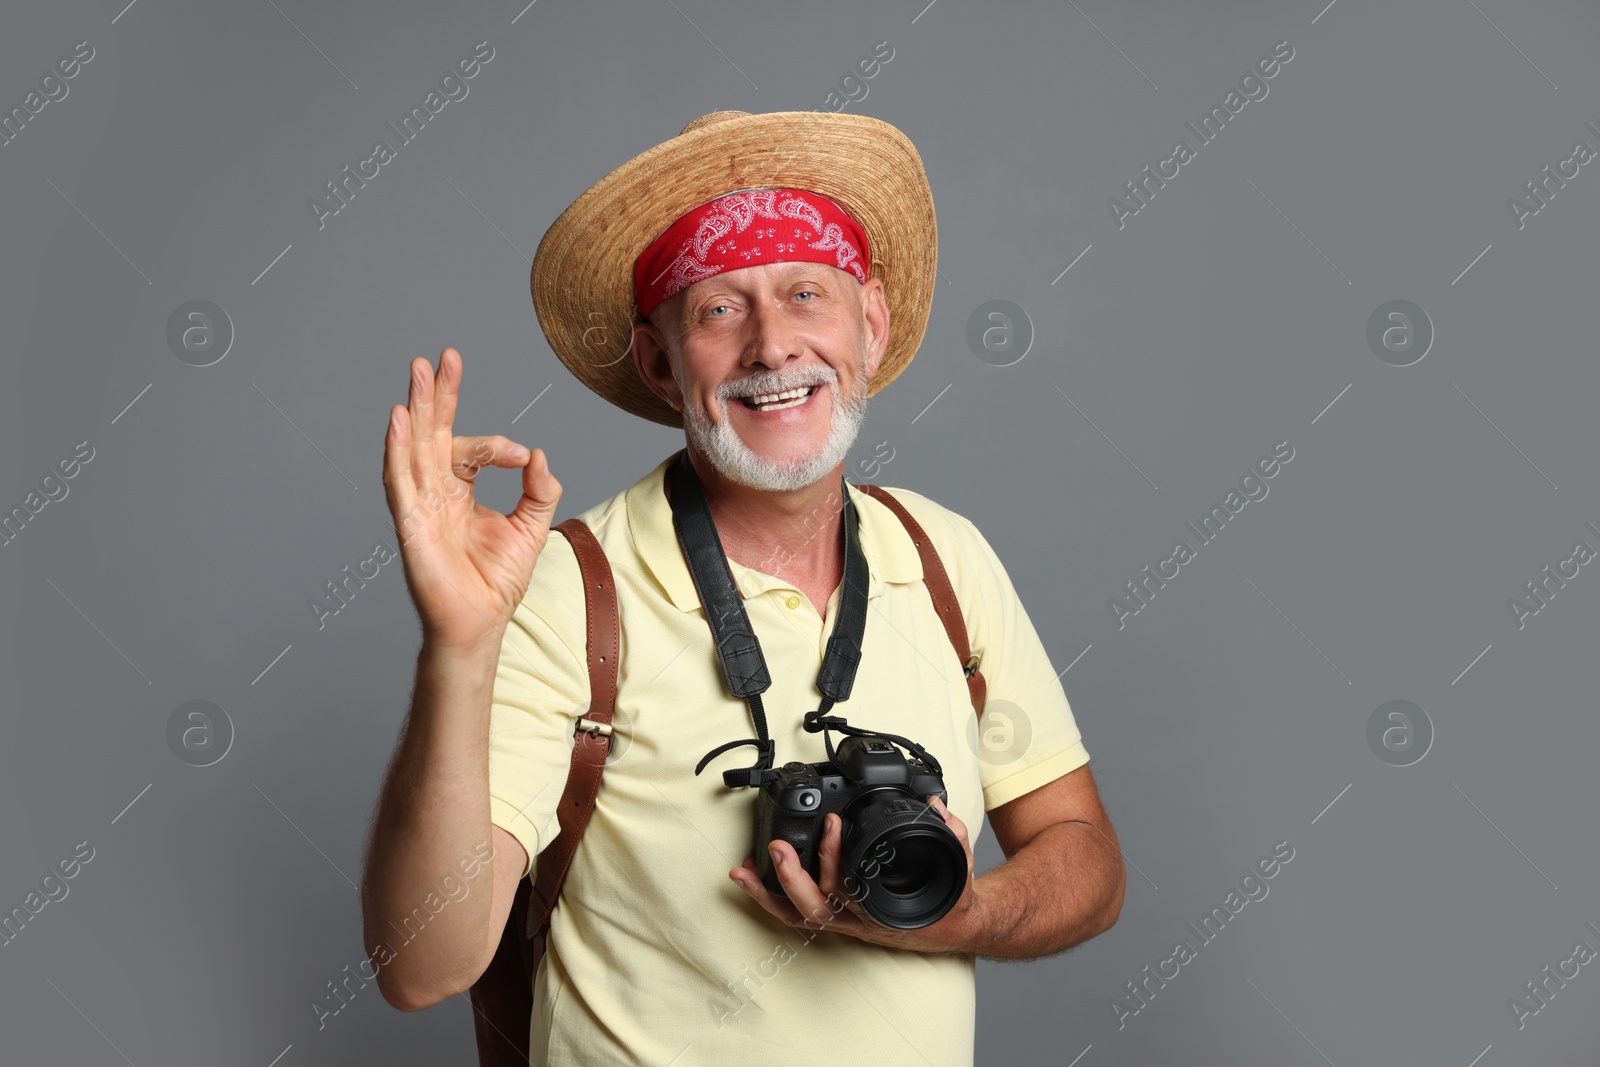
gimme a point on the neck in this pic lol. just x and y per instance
(795, 534)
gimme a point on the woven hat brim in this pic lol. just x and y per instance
(582, 274)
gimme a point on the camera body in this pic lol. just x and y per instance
(900, 861)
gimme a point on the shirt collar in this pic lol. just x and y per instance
(891, 555)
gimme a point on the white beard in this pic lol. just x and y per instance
(735, 461)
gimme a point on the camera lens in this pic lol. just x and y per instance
(907, 868)
(913, 864)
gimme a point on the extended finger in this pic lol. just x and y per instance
(446, 389)
(424, 463)
(470, 454)
(446, 386)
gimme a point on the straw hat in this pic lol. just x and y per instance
(582, 278)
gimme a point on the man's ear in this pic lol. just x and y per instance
(875, 314)
(653, 364)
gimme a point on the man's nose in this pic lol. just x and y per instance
(771, 341)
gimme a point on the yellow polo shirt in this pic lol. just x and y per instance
(654, 955)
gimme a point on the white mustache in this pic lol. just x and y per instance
(776, 383)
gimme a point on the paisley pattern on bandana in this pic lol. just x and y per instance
(717, 236)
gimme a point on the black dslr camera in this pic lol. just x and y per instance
(900, 861)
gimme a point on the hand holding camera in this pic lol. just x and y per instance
(850, 845)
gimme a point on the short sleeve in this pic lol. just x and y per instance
(1027, 734)
(541, 686)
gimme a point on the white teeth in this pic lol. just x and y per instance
(773, 401)
(771, 398)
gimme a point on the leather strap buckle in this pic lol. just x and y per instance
(594, 726)
(972, 665)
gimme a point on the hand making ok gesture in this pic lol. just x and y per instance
(467, 566)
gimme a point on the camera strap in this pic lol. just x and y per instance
(738, 649)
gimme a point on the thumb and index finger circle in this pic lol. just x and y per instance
(469, 454)
(540, 492)
(540, 489)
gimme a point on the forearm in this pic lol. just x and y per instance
(1060, 889)
(432, 814)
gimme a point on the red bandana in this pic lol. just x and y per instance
(802, 226)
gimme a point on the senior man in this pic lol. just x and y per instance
(752, 280)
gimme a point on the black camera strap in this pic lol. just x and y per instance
(743, 665)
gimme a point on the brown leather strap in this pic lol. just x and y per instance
(944, 595)
(590, 746)
(502, 997)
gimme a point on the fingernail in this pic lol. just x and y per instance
(777, 856)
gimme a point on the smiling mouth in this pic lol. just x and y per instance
(789, 398)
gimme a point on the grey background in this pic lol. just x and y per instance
(1176, 352)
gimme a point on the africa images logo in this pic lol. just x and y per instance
(453, 86)
(1252, 887)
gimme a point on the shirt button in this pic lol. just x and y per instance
(792, 603)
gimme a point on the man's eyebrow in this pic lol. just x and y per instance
(791, 272)
(812, 272)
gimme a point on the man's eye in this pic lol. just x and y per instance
(805, 292)
(719, 307)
